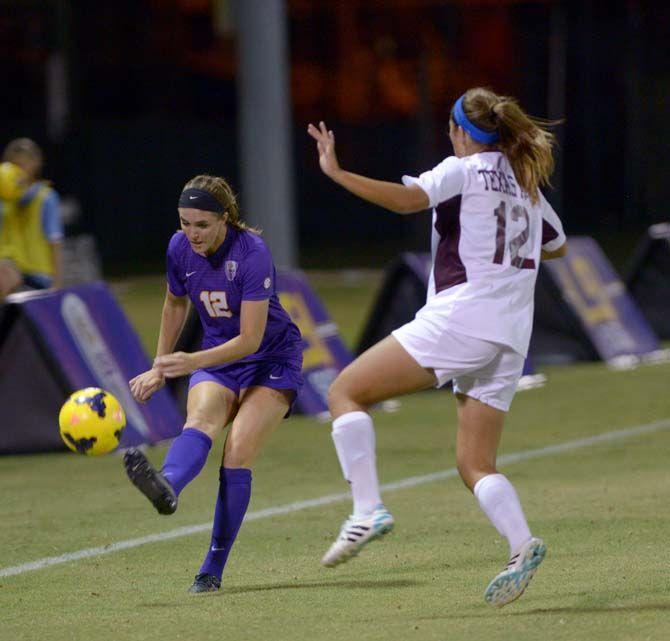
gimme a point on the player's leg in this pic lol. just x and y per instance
(383, 371)
(479, 430)
(480, 426)
(210, 407)
(261, 411)
(10, 278)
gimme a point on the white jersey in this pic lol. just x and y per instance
(486, 242)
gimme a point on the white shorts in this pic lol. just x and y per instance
(481, 369)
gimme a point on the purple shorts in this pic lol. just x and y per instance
(239, 376)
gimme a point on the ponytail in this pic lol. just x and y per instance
(525, 141)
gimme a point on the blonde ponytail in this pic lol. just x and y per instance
(526, 141)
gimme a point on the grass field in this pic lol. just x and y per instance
(600, 506)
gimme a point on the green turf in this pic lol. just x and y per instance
(602, 510)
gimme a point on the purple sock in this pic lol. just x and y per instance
(185, 458)
(231, 506)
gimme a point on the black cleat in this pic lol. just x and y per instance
(150, 481)
(205, 583)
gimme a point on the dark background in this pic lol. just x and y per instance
(129, 99)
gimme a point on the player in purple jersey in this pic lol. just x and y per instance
(491, 227)
(247, 373)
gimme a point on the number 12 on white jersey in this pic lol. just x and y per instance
(518, 212)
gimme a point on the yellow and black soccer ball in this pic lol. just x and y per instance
(91, 422)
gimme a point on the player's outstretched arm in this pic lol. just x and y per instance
(175, 309)
(394, 196)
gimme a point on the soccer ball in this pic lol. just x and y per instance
(91, 422)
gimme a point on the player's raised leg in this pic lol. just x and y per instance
(382, 372)
(261, 411)
(479, 430)
(208, 409)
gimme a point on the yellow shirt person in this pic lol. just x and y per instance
(30, 226)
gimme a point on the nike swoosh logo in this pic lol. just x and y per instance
(274, 378)
(189, 274)
(192, 197)
(214, 549)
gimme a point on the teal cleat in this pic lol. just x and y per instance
(357, 532)
(514, 579)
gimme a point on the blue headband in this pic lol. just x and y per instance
(485, 137)
(200, 199)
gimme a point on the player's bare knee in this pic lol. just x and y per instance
(337, 393)
(200, 422)
(465, 473)
(342, 399)
(349, 385)
(471, 470)
(238, 455)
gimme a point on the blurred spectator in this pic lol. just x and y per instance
(31, 231)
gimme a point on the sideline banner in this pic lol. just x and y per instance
(401, 296)
(606, 312)
(648, 278)
(79, 337)
(324, 353)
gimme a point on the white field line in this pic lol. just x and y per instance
(412, 481)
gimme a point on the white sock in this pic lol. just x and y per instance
(354, 438)
(500, 502)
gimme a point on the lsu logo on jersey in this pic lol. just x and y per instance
(231, 269)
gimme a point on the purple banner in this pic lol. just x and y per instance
(324, 353)
(95, 346)
(600, 300)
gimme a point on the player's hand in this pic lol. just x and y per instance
(175, 364)
(143, 386)
(325, 144)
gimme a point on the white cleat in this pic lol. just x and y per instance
(355, 533)
(513, 580)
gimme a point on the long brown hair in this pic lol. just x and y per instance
(222, 191)
(526, 141)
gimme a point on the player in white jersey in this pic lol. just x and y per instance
(491, 228)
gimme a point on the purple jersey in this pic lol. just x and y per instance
(241, 269)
